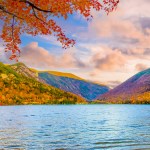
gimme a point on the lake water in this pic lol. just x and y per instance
(75, 127)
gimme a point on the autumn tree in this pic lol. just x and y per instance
(36, 17)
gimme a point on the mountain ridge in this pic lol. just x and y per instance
(131, 89)
(64, 81)
(63, 74)
(21, 88)
(134, 90)
(86, 89)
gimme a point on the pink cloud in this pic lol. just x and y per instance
(38, 57)
(123, 28)
(112, 61)
(140, 67)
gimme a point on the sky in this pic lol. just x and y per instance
(109, 49)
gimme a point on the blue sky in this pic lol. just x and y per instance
(109, 49)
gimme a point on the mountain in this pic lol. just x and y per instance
(21, 85)
(72, 83)
(63, 74)
(22, 69)
(134, 90)
(65, 81)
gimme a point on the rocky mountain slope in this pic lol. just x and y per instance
(134, 90)
(74, 84)
(22, 69)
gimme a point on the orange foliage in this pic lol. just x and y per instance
(36, 17)
(17, 91)
(142, 98)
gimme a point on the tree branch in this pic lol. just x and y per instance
(13, 29)
(35, 7)
(12, 14)
(37, 16)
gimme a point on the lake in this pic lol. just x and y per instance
(75, 127)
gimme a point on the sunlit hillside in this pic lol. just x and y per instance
(21, 88)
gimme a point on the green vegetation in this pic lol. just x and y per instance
(19, 89)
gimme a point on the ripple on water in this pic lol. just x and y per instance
(92, 127)
(125, 146)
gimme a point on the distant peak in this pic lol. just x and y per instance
(146, 71)
(64, 74)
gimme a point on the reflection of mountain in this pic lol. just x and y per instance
(21, 85)
(137, 88)
(73, 84)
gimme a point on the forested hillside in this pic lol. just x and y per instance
(17, 88)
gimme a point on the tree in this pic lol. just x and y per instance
(36, 17)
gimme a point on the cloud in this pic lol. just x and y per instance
(121, 33)
(109, 49)
(38, 57)
(113, 61)
(136, 8)
(4, 56)
(114, 26)
(35, 56)
(145, 22)
(127, 28)
(140, 67)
